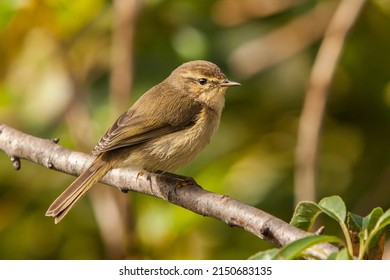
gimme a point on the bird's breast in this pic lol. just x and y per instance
(174, 150)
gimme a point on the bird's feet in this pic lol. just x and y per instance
(182, 180)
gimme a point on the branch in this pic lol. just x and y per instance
(261, 53)
(125, 13)
(314, 106)
(192, 197)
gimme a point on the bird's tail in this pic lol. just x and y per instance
(61, 206)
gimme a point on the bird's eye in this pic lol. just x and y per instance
(202, 81)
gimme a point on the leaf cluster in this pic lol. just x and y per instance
(363, 236)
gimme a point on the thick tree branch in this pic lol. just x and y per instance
(192, 197)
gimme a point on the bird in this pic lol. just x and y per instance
(163, 130)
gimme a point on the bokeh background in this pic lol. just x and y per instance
(69, 68)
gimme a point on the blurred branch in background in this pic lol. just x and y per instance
(122, 52)
(318, 88)
(232, 12)
(113, 211)
(255, 56)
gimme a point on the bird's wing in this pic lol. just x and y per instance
(140, 125)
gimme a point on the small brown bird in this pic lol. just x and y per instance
(164, 130)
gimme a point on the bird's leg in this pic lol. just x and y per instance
(184, 180)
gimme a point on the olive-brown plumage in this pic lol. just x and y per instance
(164, 130)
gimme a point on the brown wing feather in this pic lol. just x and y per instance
(135, 126)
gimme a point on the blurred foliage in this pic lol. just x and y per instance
(54, 82)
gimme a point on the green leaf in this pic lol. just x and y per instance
(383, 221)
(265, 255)
(340, 255)
(305, 215)
(369, 224)
(374, 239)
(376, 232)
(354, 222)
(334, 207)
(297, 248)
(370, 221)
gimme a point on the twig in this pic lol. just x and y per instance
(314, 106)
(229, 13)
(125, 13)
(259, 54)
(120, 229)
(191, 197)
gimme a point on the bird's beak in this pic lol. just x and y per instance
(229, 84)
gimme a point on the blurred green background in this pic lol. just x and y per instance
(68, 68)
